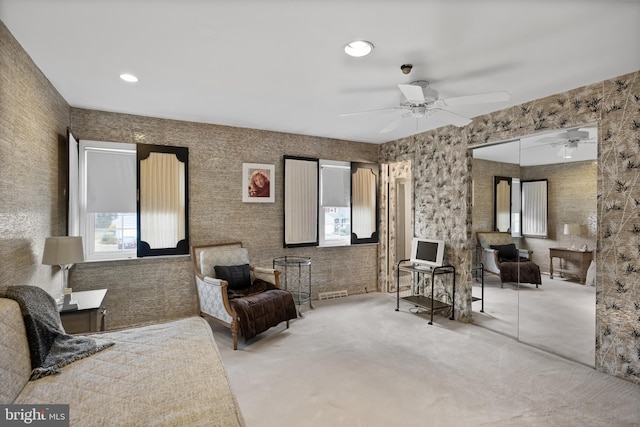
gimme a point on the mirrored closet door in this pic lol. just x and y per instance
(552, 216)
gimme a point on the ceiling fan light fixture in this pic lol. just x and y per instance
(566, 151)
(129, 78)
(358, 48)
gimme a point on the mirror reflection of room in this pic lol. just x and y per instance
(559, 315)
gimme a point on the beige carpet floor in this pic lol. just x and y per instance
(355, 361)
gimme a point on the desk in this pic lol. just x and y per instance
(90, 314)
(580, 259)
(419, 299)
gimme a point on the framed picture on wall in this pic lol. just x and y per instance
(258, 183)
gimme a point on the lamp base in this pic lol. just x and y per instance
(67, 302)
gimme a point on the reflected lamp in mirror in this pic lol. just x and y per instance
(572, 230)
(63, 251)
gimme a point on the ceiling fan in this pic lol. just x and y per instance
(421, 101)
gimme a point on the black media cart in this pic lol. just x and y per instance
(420, 299)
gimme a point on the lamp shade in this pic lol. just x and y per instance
(572, 229)
(63, 250)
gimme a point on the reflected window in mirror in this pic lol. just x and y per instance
(516, 208)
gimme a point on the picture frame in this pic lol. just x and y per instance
(258, 183)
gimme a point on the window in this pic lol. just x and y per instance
(107, 189)
(329, 203)
(131, 199)
(334, 217)
(515, 207)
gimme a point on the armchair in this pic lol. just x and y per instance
(243, 298)
(501, 257)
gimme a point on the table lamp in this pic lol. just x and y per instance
(63, 251)
(572, 230)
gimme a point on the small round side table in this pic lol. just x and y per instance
(298, 284)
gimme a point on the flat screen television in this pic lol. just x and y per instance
(427, 253)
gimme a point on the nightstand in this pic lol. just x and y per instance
(90, 314)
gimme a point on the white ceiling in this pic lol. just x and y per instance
(279, 65)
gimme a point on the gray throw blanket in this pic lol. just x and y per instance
(49, 346)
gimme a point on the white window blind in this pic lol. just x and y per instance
(335, 184)
(110, 176)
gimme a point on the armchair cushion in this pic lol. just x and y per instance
(507, 252)
(237, 276)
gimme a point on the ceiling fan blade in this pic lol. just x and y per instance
(413, 93)
(550, 140)
(368, 112)
(482, 98)
(451, 118)
(391, 126)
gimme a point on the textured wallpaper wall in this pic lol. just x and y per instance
(442, 198)
(33, 122)
(143, 291)
(33, 125)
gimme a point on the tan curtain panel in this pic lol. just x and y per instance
(162, 200)
(534, 208)
(363, 203)
(301, 201)
(503, 206)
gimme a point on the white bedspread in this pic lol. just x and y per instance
(168, 374)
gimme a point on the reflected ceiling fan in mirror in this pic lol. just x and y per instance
(419, 100)
(569, 140)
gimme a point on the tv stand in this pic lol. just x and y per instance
(420, 299)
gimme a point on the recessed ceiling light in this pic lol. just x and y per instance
(130, 78)
(358, 48)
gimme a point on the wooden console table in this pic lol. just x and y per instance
(581, 259)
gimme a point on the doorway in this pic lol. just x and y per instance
(397, 189)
